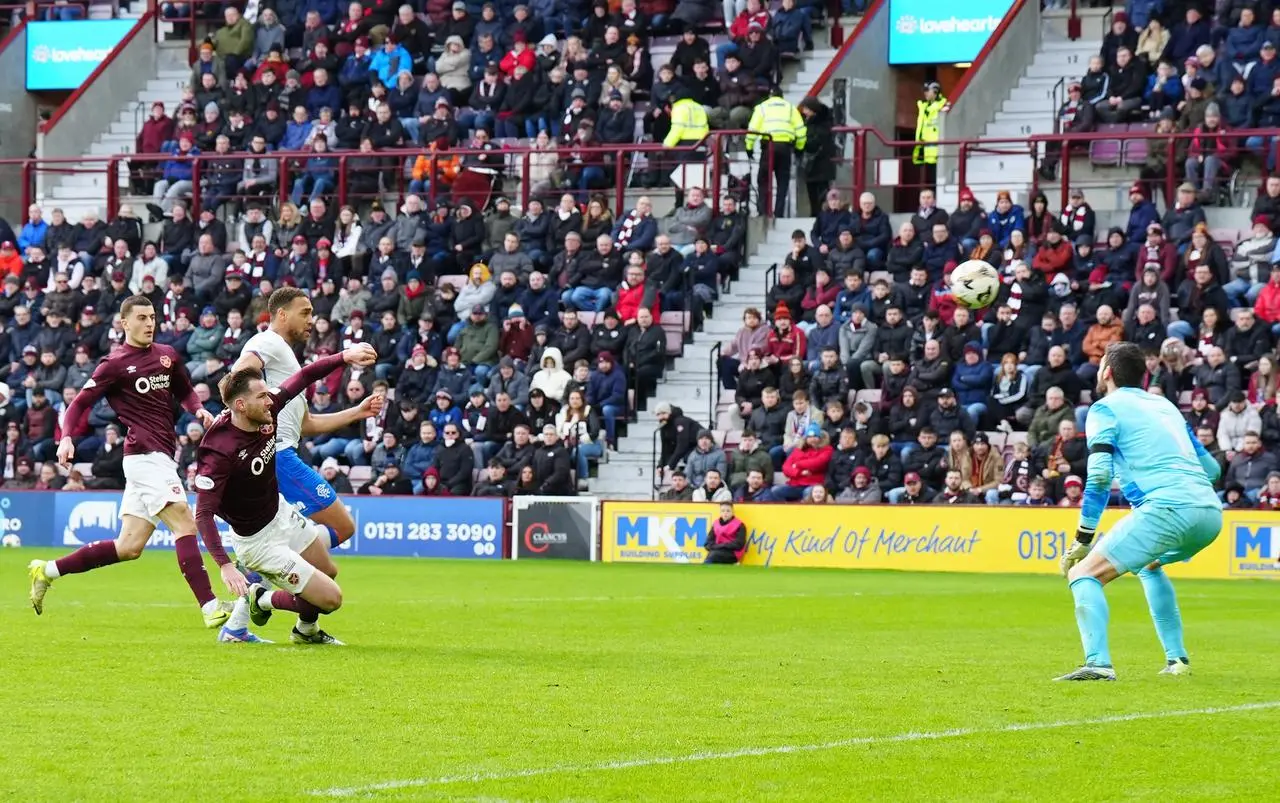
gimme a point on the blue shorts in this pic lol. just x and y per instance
(1169, 535)
(301, 485)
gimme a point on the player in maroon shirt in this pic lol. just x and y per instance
(143, 381)
(236, 480)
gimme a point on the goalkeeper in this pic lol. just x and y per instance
(1167, 476)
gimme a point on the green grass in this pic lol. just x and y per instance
(475, 678)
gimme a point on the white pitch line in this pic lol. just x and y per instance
(108, 603)
(859, 741)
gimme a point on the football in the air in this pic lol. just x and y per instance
(975, 283)
(11, 541)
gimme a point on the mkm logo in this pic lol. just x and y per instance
(1253, 550)
(669, 532)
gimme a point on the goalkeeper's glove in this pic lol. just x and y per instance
(1078, 550)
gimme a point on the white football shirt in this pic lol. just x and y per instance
(280, 363)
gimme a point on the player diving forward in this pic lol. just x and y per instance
(1167, 476)
(236, 480)
(272, 353)
(141, 380)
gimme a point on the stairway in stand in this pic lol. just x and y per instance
(629, 474)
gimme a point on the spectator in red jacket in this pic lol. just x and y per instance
(806, 466)
(518, 56)
(631, 293)
(1054, 256)
(785, 341)
(1267, 307)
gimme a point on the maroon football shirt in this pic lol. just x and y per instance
(142, 386)
(236, 469)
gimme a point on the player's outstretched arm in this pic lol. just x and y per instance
(248, 359)
(361, 354)
(321, 423)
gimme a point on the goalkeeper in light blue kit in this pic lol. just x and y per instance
(1167, 476)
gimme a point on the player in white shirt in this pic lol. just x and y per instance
(272, 352)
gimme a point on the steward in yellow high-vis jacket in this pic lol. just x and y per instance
(782, 129)
(929, 111)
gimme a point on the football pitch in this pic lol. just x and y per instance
(571, 681)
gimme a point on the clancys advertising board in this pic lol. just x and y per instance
(938, 32)
(62, 55)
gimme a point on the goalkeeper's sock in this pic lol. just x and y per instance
(1091, 617)
(334, 540)
(1164, 612)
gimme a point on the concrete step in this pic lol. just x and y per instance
(174, 83)
(1030, 102)
(1024, 127)
(1056, 68)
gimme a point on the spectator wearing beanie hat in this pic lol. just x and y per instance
(1142, 213)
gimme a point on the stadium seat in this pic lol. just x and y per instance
(1106, 152)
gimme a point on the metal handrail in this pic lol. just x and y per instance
(713, 397)
(656, 483)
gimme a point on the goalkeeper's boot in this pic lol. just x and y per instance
(1179, 667)
(40, 583)
(258, 614)
(242, 636)
(1090, 672)
(318, 637)
(219, 614)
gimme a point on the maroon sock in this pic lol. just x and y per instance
(284, 601)
(88, 557)
(192, 565)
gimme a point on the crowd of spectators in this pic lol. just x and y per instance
(571, 80)
(519, 369)
(862, 380)
(1188, 66)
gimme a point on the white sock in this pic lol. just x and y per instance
(209, 607)
(239, 615)
(51, 569)
(264, 600)
(307, 628)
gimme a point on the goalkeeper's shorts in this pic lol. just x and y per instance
(1165, 534)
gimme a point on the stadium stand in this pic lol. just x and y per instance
(416, 173)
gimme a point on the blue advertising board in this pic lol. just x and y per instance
(393, 526)
(61, 55)
(937, 32)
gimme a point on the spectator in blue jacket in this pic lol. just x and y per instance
(1266, 115)
(387, 63)
(1142, 214)
(319, 177)
(972, 381)
(327, 9)
(872, 231)
(353, 76)
(1142, 11)
(445, 412)
(1005, 218)
(1244, 42)
(833, 217)
(791, 28)
(421, 454)
(1164, 88)
(1262, 76)
(175, 181)
(538, 301)
(323, 94)
(296, 130)
(484, 54)
(34, 230)
(1187, 36)
(607, 392)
